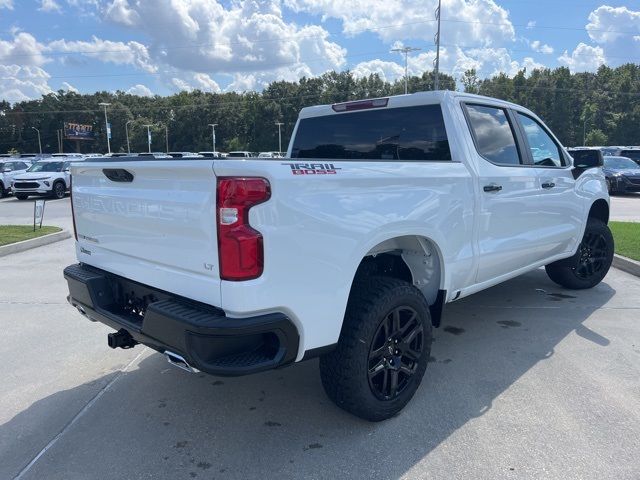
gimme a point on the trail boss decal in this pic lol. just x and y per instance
(312, 168)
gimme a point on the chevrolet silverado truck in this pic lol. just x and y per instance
(383, 211)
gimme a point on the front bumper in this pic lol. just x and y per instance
(32, 187)
(201, 334)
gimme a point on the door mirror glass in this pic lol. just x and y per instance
(584, 159)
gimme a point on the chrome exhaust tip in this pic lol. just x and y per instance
(179, 361)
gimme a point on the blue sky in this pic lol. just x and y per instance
(164, 46)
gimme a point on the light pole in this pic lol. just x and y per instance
(39, 142)
(106, 124)
(279, 124)
(148, 136)
(213, 135)
(436, 81)
(126, 131)
(406, 51)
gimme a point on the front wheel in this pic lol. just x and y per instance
(590, 263)
(3, 192)
(59, 190)
(382, 352)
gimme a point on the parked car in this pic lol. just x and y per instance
(211, 154)
(240, 154)
(50, 178)
(154, 154)
(184, 155)
(384, 211)
(269, 155)
(622, 173)
(9, 169)
(632, 153)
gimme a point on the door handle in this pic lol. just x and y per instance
(548, 185)
(492, 187)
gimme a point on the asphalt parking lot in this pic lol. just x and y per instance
(527, 380)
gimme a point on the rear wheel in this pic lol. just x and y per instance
(591, 262)
(382, 352)
(59, 189)
(21, 196)
(3, 192)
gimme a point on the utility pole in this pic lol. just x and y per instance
(106, 124)
(148, 136)
(126, 131)
(436, 82)
(406, 51)
(213, 135)
(60, 141)
(279, 124)
(39, 142)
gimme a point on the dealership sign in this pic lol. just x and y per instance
(77, 131)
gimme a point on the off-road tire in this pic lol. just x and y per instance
(345, 371)
(591, 262)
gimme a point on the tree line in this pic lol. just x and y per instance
(582, 108)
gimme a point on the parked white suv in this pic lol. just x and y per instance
(9, 169)
(383, 211)
(50, 177)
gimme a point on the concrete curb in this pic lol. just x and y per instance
(34, 242)
(627, 265)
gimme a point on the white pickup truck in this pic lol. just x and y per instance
(383, 211)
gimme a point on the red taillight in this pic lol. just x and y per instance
(240, 250)
(73, 215)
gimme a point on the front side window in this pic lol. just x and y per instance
(493, 134)
(544, 150)
(403, 133)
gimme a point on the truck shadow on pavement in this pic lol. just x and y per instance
(156, 421)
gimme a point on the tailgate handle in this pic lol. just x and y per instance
(118, 175)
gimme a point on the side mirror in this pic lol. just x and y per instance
(584, 159)
(6, 170)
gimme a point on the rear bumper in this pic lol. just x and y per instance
(200, 333)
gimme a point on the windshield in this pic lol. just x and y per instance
(633, 154)
(46, 167)
(619, 163)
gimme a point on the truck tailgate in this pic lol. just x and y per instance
(158, 228)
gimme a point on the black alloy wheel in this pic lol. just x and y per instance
(592, 255)
(397, 346)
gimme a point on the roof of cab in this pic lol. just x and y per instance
(410, 100)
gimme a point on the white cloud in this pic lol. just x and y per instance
(180, 84)
(538, 46)
(50, 6)
(246, 36)
(18, 82)
(453, 61)
(119, 53)
(610, 24)
(140, 90)
(24, 49)
(583, 58)
(8, 4)
(206, 83)
(480, 22)
(531, 24)
(69, 88)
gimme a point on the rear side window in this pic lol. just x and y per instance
(493, 134)
(407, 133)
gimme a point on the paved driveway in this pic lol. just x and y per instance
(527, 380)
